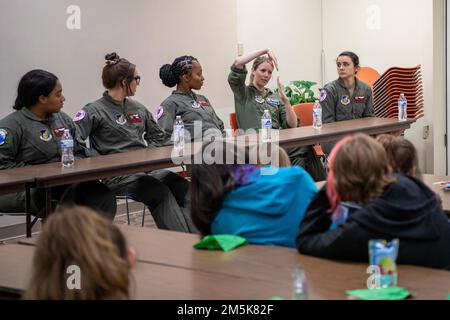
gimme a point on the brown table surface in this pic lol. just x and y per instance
(53, 174)
(14, 180)
(326, 279)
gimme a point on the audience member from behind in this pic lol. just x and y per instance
(388, 205)
(78, 236)
(263, 204)
(402, 155)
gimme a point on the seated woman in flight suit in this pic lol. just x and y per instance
(31, 135)
(115, 123)
(186, 74)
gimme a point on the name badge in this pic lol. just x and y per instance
(204, 103)
(59, 132)
(134, 117)
(360, 99)
(273, 101)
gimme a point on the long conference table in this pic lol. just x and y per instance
(144, 160)
(168, 267)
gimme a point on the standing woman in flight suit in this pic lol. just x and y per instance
(347, 97)
(115, 123)
(186, 73)
(251, 100)
(32, 135)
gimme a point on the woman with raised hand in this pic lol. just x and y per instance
(251, 100)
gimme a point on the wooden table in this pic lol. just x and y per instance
(253, 271)
(144, 160)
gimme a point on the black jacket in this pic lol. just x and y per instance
(407, 210)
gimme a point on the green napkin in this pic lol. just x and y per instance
(389, 293)
(223, 242)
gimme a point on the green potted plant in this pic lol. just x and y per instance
(299, 91)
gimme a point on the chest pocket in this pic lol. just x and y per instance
(121, 128)
(39, 145)
(359, 104)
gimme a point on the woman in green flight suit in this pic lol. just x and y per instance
(251, 100)
(186, 73)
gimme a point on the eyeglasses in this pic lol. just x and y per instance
(138, 79)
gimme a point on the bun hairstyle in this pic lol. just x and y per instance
(170, 73)
(116, 70)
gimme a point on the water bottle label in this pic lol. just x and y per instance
(67, 143)
(317, 112)
(266, 122)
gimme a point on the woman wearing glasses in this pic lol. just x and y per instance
(186, 74)
(115, 123)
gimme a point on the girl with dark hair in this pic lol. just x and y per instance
(77, 236)
(116, 123)
(263, 204)
(251, 100)
(385, 205)
(347, 97)
(31, 135)
(186, 74)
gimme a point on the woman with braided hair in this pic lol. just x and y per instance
(115, 123)
(186, 74)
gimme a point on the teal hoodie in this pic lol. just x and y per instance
(269, 209)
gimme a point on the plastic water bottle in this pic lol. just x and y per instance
(266, 126)
(178, 133)
(402, 104)
(67, 158)
(300, 290)
(317, 115)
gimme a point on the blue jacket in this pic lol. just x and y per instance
(269, 209)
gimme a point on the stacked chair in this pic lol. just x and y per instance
(388, 87)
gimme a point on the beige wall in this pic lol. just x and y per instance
(405, 38)
(149, 33)
(291, 28)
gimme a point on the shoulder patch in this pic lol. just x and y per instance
(322, 95)
(79, 115)
(3, 134)
(159, 112)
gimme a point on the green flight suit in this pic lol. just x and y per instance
(250, 103)
(114, 127)
(338, 105)
(25, 140)
(190, 108)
